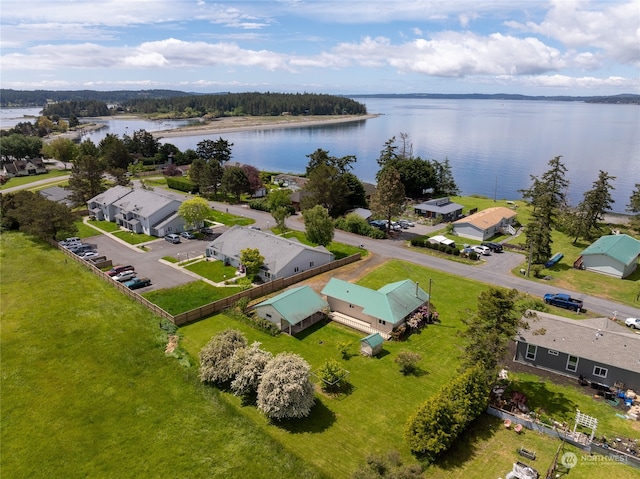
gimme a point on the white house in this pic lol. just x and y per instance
(282, 257)
(486, 224)
(138, 210)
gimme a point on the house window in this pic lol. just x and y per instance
(572, 363)
(268, 315)
(600, 372)
(311, 263)
(296, 269)
(351, 306)
(382, 322)
(553, 352)
(531, 352)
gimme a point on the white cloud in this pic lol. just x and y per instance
(614, 29)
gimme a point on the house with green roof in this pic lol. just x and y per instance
(293, 310)
(371, 310)
(614, 255)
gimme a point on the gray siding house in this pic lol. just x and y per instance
(282, 257)
(613, 255)
(597, 349)
(439, 209)
(140, 211)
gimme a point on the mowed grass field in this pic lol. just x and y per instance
(87, 391)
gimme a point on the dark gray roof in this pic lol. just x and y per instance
(597, 339)
(440, 205)
(57, 194)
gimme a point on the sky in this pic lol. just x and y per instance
(530, 47)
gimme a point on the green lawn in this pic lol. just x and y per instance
(339, 250)
(189, 296)
(213, 270)
(108, 226)
(87, 390)
(134, 238)
(341, 432)
(26, 180)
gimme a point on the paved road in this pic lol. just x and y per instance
(496, 269)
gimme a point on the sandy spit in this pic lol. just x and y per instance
(244, 123)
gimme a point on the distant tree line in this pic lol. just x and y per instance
(252, 104)
(25, 98)
(78, 108)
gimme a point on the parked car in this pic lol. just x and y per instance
(69, 242)
(406, 224)
(187, 234)
(632, 323)
(88, 254)
(124, 276)
(82, 248)
(483, 250)
(136, 283)
(495, 247)
(172, 238)
(119, 269)
(206, 231)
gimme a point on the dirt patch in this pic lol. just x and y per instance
(172, 344)
(351, 272)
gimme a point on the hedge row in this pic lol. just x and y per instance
(438, 422)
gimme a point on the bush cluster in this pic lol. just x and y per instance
(358, 225)
(438, 422)
(281, 385)
(181, 184)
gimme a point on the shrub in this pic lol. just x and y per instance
(408, 361)
(181, 184)
(249, 364)
(216, 358)
(285, 390)
(332, 374)
(343, 348)
(398, 333)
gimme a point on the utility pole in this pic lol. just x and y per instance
(429, 302)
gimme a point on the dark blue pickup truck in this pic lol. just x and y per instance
(563, 301)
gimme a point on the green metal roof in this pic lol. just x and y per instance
(622, 248)
(296, 304)
(373, 340)
(392, 303)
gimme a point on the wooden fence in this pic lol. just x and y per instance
(259, 291)
(217, 306)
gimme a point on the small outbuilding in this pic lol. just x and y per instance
(371, 345)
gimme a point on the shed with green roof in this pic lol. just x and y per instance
(294, 309)
(371, 345)
(613, 255)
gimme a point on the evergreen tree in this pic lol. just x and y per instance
(547, 195)
(388, 200)
(86, 180)
(445, 183)
(634, 206)
(597, 201)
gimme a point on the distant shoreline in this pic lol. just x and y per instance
(247, 123)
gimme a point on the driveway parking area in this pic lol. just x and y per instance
(147, 263)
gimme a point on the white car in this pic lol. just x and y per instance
(124, 276)
(88, 254)
(632, 323)
(483, 250)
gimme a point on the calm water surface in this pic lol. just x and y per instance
(493, 146)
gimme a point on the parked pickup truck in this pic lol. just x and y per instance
(136, 283)
(563, 301)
